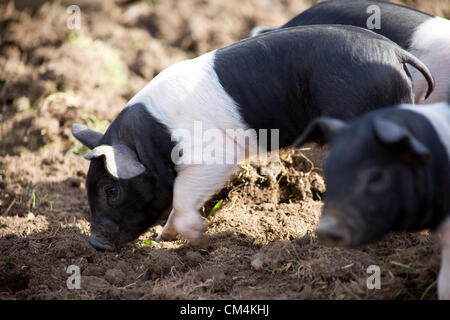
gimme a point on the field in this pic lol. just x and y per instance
(261, 239)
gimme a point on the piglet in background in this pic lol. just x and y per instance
(424, 35)
(388, 170)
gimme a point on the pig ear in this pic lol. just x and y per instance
(321, 131)
(120, 161)
(390, 133)
(89, 138)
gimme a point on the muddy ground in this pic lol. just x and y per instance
(262, 244)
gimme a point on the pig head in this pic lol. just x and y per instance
(385, 171)
(130, 181)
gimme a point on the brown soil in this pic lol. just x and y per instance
(262, 243)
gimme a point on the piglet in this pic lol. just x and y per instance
(424, 35)
(388, 170)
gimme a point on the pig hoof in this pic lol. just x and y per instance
(165, 237)
(194, 236)
(192, 231)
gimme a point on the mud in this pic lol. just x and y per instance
(261, 240)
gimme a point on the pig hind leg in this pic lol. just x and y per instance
(431, 44)
(439, 64)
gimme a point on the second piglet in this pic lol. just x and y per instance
(388, 170)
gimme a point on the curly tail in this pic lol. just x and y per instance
(410, 59)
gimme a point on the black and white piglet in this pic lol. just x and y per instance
(424, 35)
(281, 80)
(388, 170)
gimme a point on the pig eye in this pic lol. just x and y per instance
(377, 180)
(111, 192)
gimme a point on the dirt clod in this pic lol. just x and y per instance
(257, 261)
(74, 182)
(115, 276)
(92, 283)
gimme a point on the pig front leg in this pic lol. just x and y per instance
(194, 185)
(168, 233)
(444, 272)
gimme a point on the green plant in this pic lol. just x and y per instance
(150, 243)
(2, 84)
(7, 263)
(214, 209)
(33, 198)
(425, 293)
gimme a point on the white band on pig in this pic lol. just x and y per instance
(444, 272)
(120, 161)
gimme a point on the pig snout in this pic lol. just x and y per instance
(334, 231)
(101, 243)
(104, 235)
